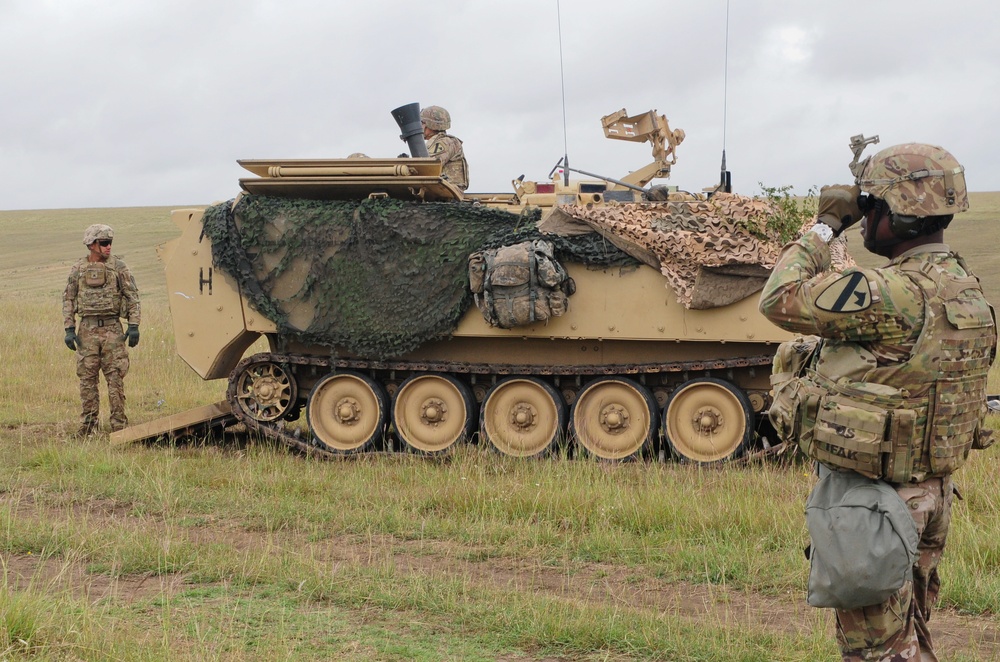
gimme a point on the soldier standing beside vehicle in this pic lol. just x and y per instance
(101, 290)
(444, 147)
(899, 367)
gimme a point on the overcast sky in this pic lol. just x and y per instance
(110, 103)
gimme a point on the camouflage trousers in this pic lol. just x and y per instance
(896, 630)
(101, 349)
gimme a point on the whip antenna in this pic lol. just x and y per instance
(725, 178)
(562, 84)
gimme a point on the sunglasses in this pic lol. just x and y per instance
(104, 242)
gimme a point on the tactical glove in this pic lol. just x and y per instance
(72, 341)
(838, 207)
(132, 335)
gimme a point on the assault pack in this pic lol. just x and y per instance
(519, 284)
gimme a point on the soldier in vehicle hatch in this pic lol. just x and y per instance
(444, 147)
(894, 385)
(101, 290)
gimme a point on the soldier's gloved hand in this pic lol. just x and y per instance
(72, 341)
(132, 335)
(838, 207)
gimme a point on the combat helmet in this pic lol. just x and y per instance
(435, 118)
(97, 231)
(916, 180)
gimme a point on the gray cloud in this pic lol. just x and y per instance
(121, 104)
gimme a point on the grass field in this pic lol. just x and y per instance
(242, 551)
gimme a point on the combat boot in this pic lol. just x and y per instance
(119, 421)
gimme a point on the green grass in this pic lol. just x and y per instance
(243, 551)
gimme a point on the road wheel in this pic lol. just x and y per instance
(614, 418)
(348, 412)
(431, 413)
(522, 416)
(708, 420)
(265, 391)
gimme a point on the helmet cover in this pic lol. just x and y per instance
(97, 231)
(435, 118)
(916, 180)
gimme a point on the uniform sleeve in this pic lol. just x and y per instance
(130, 295)
(442, 149)
(69, 297)
(804, 295)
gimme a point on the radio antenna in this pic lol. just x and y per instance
(562, 84)
(725, 179)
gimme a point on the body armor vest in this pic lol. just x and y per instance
(903, 421)
(99, 289)
(456, 169)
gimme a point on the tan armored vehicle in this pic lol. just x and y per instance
(618, 318)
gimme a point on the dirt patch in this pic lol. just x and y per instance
(56, 576)
(607, 584)
(590, 583)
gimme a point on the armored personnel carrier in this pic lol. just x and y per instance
(399, 312)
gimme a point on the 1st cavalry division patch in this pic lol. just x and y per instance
(846, 295)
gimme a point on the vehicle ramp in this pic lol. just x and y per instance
(199, 421)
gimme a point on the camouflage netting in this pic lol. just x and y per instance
(712, 252)
(375, 277)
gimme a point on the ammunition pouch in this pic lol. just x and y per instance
(790, 363)
(95, 274)
(872, 429)
(876, 430)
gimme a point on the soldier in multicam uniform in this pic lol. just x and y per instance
(101, 290)
(918, 330)
(444, 147)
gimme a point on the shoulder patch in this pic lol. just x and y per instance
(848, 294)
(438, 148)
